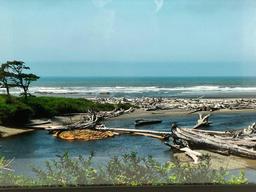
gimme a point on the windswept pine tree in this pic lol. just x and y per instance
(14, 74)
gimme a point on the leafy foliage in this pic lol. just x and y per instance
(14, 74)
(18, 110)
(8, 177)
(19, 77)
(66, 171)
(13, 111)
(127, 170)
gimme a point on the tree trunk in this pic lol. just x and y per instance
(7, 90)
(25, 92)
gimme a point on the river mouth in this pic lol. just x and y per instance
(34, 148)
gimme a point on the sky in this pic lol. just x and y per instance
(130, 37)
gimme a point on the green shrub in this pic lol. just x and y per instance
(50, 106)
(201, 173)
(14, 112)
(103, 107)
(18, 111)
(67, 171)
(127, 170)
(8, 176)
(131, 170)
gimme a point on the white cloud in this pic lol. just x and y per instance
(159, 4)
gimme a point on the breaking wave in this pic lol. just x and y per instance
(136, 89)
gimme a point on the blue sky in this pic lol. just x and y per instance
(130, 37)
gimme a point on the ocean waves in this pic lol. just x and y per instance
(135, 90)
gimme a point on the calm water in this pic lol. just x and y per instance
(34, 148)
(145, 86)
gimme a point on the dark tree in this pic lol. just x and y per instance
(19, 76)
(6, 78)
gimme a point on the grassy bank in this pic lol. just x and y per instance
(18, 111)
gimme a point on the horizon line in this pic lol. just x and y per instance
(148, 76)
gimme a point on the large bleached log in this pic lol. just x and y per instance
(164, 133)
(161, 137)
(205, 141)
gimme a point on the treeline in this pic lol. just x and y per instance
(130, 169)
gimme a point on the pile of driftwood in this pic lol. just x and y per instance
(190, 105)
(239, 142)
(89, 121)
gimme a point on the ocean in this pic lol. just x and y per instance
(130, 87)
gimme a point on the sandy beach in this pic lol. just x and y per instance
(11, 131)
(140, 113)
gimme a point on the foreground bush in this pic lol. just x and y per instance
(127, 170)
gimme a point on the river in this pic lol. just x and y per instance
(35, 148)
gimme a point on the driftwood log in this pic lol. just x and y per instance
(193, 154)
(139, 122)
(202, 121)
(155, 134)
(88, 122)
(196, 156)
(221, 142)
